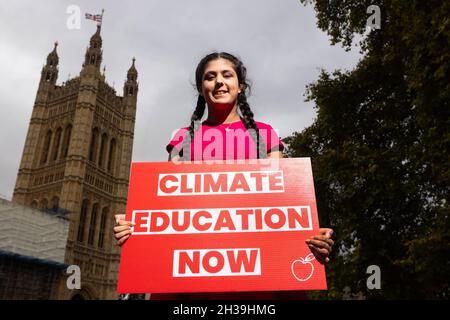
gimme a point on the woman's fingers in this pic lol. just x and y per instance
(322, 239)
(122, 240)
(121, 228)
(323, 251)
(320, 244)
(122, 233)
(328, 232)
(119, 217)
(125, 223)
(319, 254)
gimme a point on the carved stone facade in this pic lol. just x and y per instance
(76, 160)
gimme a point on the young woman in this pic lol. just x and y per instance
(221, 81)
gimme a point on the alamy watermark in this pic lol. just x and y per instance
(216, 146)
(74, 280)
(73, 21)
(374, 280)
(374, 21)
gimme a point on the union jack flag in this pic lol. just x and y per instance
(95, 17)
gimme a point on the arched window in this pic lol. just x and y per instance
(92, 224)
(55, 204)
(46, 146)
(93, 146)
(112, 151)
(101, 156)
(82, 222)
(56, 144)
(44, 204)
(101, 234)
(66, 141)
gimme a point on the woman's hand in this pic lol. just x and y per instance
(122, 229)
(321, 245)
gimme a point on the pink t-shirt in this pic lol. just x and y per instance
(229, 141)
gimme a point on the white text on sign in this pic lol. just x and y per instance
(204, 183)
(217, 220)
(216, 262)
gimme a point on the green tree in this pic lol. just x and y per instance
(380, 148)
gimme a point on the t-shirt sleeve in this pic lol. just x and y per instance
(270, 136)
(177, 140)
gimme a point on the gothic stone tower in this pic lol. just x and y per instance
(76, 161)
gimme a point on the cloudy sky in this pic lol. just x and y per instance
(278, 42)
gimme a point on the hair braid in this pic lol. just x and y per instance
(193, 127)
(250, 125)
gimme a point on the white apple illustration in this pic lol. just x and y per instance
(306, 274)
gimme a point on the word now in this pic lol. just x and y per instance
(220, 183)
(222, 220)
(216, 262)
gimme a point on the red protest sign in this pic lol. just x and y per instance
(223, 227)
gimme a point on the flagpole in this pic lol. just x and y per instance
(103, 11)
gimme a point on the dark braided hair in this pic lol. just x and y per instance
(195, 124)
(244, 107)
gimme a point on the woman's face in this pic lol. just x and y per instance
(220, 85)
